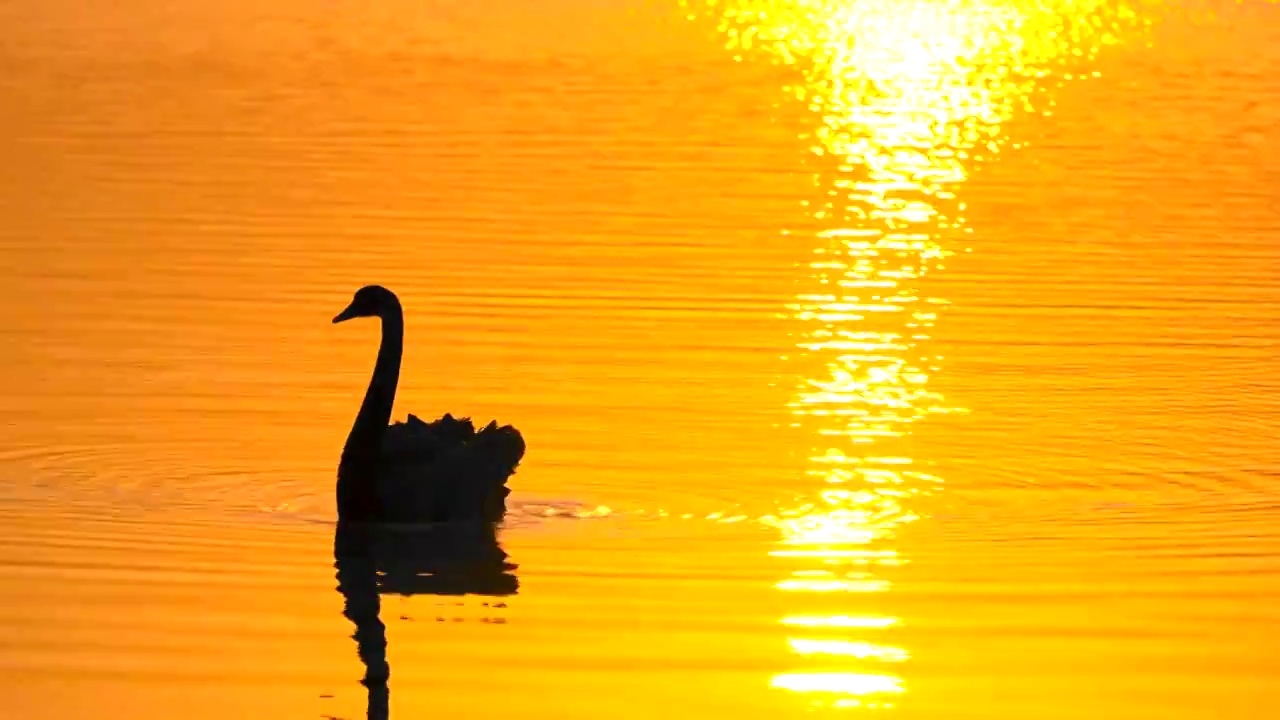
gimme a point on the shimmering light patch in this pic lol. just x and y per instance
(839, 530)
(859, 650)
(834, 585)
(855, 556)
(905, 97)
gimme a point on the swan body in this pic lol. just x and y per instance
(415, 471)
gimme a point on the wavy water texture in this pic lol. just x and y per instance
(921, 363)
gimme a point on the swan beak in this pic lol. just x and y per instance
(347, 314)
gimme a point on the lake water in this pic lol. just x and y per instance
(912, 358)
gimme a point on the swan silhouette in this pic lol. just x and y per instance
(414, 471)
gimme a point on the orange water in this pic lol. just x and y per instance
(912, 358)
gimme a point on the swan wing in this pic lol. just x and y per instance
(447, 470)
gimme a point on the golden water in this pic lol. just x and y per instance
(907, 358)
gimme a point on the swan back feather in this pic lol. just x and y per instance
(446, 470)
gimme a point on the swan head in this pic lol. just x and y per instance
(369, 301)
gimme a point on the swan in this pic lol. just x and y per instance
(414, 471)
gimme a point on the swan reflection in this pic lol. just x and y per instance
(442, 559)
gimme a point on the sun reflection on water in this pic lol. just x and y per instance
(906, 97)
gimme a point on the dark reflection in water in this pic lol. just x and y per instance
(442, 559)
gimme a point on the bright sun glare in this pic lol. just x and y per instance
(906, 96)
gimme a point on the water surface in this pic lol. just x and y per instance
(909, 358)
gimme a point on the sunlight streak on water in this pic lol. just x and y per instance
(906, 96)
(845, 686)
(860, 650)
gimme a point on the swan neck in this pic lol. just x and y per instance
(375, 411)
(364, 444)
(358, 470)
